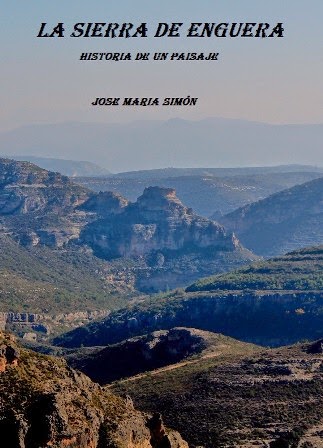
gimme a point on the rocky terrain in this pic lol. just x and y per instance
(269, 399)
(210, 192)
(152, 351)
(151, 245)
(169, 242)
(282, 222)
(275, 302)
(43, 402)
(39, 206)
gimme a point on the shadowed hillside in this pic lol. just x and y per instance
(274, 302)
(282, 222)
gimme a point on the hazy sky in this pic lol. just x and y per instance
(272, 80)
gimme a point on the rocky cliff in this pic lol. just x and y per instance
(153, 244)
(26, 188)
(168, 241)
(105, 204)
(268, 318)
(45, 403)
(156, 221)
(39, 206)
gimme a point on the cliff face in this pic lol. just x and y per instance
(265, 318)
(105, 203)
(170, 244)
(151, 245)
(26, 188)
(39, 206)
(45, 403)
(157, 221)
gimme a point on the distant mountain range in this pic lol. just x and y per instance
(146, 144)
(257, 171)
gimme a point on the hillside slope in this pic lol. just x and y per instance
(268, 399)
(158, 349)
(271, 303)
(299, 270)
(208, 193)
(282, 222)
(44, 280)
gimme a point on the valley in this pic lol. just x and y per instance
(131, 309)
(272, 303)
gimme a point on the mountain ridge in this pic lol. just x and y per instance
(282, 222)
(220, 142)
(211, 193)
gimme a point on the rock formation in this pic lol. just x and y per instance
(105, 203)
(45, 403)
(152, 245)
(9, 354)
(157, 221)
(26, 188)
(168, 241)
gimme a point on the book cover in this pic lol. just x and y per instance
(161, 224)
